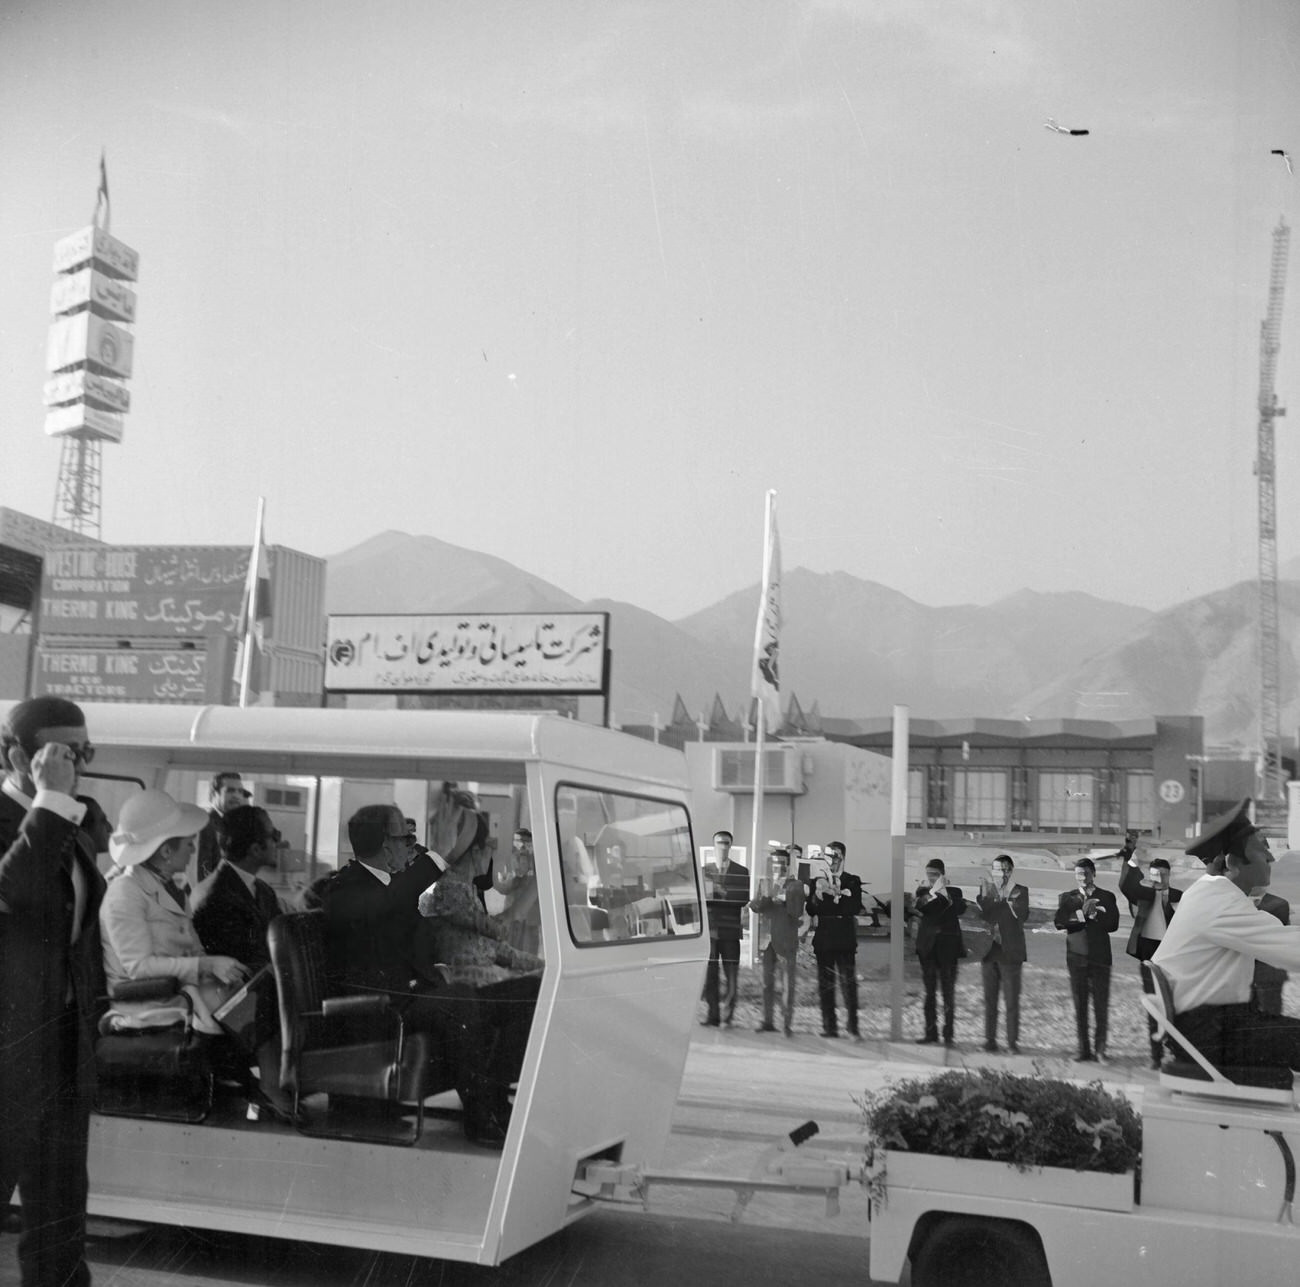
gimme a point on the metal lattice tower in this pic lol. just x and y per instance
(1272, 786)
(77, 493)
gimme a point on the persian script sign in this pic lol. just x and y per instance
(122, 674)
(558, 652)
(142, 590)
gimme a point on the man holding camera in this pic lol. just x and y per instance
(1088, 914)
(836, 901)
(1153, 903)
(780, 908)
(939, 946)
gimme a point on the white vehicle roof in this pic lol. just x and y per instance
(475, 744)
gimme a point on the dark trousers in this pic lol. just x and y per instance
(939, 972)
(1090, 979)
(1241, 1034)
(45, 1157)
(1146, 949)
(1001, 977)
(772, 961)
(726, 951)
(829, 964)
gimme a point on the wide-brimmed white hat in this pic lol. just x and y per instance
(146, 821)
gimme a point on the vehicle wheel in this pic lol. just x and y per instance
(966, 1251)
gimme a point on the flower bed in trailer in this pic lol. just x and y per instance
(1000, 1135)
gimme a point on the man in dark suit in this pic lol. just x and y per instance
(779, 905)
(51, 979)
(233, 908)
(374, 943)
(1152, 903)
(225, 792)
(939, 947)
(836, 901)
(1004, 906)
(727, 888)
(1088, 914)
(1266, 985)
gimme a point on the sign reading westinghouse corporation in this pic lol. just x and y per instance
(558, 652)
(142, 590)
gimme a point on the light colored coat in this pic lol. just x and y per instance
(147, 933)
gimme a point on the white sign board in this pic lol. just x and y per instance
(106, 295)
(92, 243)
(78, 386)
(85, 420)
(86, 338)
(560, 652)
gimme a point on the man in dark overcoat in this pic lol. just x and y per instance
(51, 982)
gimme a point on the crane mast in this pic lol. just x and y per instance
(1272, 785)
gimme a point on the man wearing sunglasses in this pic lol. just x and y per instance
(51, 976)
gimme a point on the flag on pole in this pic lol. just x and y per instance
(765, 683)
(101, 199)
(255, 607)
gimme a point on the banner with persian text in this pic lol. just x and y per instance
(564, 652)
(122, 674)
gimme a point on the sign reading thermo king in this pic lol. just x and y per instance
(141, 590)
(564, 652)
(122, 674)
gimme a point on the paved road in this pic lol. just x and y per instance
(740, 1093)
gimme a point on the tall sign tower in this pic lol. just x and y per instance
(89, 356)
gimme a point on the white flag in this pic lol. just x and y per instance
(766, 682)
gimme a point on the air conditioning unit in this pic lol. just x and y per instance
(733, 770)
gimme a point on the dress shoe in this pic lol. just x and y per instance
(788, 1030)
(991, 1047)
(1103, 1059)
(1085, 1057)
(1012, 1048)
(710, 1023)
(829, 1032)
(766, 1027)
(949, 1042)
(485, 1129)
(930, 1039)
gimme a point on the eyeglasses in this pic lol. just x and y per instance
(81, 755)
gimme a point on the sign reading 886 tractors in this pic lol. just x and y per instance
(560, 653)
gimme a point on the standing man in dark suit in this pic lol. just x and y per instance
(1266, 986)
(225, 792)
(1004, 907)
(779, 905)
(836, 901)
(1088, 914)
(51, 979)
(939, 947)
(727, 890)
(1152, 903)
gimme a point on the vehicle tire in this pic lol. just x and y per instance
(967, 1251)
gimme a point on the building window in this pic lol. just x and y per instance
(1022, 807)
(979, 798)
(1110, 805)
(936, 803)
(1066, 801)
(1140, 802)
(915, 797)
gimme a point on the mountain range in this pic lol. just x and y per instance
(854, 648)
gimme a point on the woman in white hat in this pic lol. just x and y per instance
(147, 928)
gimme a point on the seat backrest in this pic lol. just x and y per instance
(297, 945)
(1159, 1003)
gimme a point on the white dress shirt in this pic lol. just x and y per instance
(1209, 948)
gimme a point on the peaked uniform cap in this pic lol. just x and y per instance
(1222, 833)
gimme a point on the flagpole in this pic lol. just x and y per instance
(250, 605)
(760, 728)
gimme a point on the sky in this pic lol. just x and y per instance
(575, 283)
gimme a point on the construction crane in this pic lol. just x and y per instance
(1271, 796)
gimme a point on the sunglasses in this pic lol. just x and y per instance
(81, 755)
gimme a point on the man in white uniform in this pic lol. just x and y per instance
(1209, 951)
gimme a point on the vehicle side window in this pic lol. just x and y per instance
(628, 866)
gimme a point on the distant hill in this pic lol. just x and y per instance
(1199, 657)
(855, 647)
(858, 647)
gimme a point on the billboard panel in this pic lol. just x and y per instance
(558, 652)
(78, 386)
(92, 243)
(108, 296)
(83, 337)
(122, 674)
(82, 419)
(132, 591)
